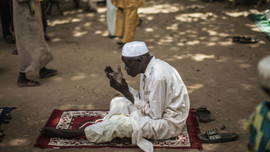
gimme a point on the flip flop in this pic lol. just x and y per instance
(212, 136)
(48, 73)
(204, 114)
(243, 39)
(29, 83)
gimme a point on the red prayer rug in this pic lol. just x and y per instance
(74, 119)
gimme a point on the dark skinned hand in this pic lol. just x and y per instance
(116, 79)
(118, 82)
(110, 73)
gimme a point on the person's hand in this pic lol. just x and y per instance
(118, 82)
(113, 75)
(116, 79)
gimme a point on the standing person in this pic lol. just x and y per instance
(259, 123)
(127, 19)
(34, 52)
(5, 11)
(111, 18)
(159, 110)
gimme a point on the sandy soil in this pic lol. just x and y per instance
(193, 36)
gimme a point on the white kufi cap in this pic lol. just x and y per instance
(264, 71)
(134, 49)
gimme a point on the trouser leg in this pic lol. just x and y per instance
(5, 16)
(44, 15)
(77, 4)
(130, 25)
(119, 27)
(111, 17)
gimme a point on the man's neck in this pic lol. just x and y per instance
(147, 61)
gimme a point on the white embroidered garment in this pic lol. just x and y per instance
(163, 102)
(161, 106)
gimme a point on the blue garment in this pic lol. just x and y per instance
(4, 112)
(258, 126)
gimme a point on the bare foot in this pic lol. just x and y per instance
(49, 132)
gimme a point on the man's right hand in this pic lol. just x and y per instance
(110, 73)
(116, 79)
(118, 82)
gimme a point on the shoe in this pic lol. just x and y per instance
(47, 73)
(111, 36)
(212, 136)
(204, 114)
(140, 22)
(120, 43)
(242, 39)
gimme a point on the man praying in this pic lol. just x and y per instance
(158, 110)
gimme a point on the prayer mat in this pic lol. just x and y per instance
(75, 119)
(261, 22)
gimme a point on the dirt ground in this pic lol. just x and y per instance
(193, 36)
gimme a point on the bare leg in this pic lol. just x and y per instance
(61, 133)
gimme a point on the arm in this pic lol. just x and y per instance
(154, 103)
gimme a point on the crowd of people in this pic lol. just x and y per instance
(158, 110)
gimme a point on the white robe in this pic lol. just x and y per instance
(111, 17)
(160, 109)
(34, 52)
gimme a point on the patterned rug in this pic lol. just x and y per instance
(74, 119)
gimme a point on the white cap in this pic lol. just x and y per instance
(134, 49)
(264, 71)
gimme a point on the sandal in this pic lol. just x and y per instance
(29, 83)
(212, 136)
(47, 73)
(242, 39)
(204, 114)
(10, 39)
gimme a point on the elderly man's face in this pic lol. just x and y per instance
(133, 66)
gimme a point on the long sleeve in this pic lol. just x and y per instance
(154, 102)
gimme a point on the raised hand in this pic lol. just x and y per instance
(118, 82)
(113, 75)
